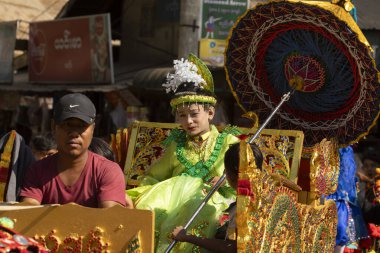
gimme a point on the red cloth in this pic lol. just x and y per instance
(242, 137)
(101, 180)
(223, 219)
(304, 174)
(12, 241)
(373, 230)
(347, 250)
(244, 188)
(365, 243)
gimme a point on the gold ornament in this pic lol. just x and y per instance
(324, 168)
(271, 220)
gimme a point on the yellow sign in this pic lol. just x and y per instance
(212, 52)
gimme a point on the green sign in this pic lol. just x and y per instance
(218, 16)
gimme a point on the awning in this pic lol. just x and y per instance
(151, 79)
(21, 84)
(127, 76)
(124, 74)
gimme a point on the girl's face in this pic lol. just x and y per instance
(194, 119)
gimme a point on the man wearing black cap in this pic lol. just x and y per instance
(74, 174)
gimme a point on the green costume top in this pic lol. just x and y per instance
(183, 157)
(176, 184)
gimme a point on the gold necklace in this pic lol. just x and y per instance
(199, 148)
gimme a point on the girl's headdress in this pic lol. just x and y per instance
(191, 82)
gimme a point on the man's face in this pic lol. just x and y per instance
(194, 119)
(73, 136)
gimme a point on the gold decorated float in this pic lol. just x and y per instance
(263, 62)
(270, 219)
(76, 229)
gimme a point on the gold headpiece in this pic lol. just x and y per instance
(191, 70)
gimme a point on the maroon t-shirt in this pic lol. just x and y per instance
(100, 180)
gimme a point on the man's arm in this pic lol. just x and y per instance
(109, 203)
(31, 192)
(30, 201)
(214, 245)
(112, 187)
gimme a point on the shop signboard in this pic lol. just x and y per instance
(73, 50)
(7, 46)
(218, 17)
(212, 52)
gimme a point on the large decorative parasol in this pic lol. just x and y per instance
(317, 49)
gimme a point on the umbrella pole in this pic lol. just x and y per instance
(206, 199)
(284, 98)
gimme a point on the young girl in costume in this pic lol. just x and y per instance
(176, 184)
(228, 243)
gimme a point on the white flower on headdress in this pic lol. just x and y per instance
(185, 71)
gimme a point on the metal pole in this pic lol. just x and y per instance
(204, 202)
(284, 98)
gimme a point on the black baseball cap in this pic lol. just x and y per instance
(74, 105)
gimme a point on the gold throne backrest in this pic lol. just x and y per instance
(281, 149)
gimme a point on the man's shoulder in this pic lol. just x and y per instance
(102, 162)
(44, 168)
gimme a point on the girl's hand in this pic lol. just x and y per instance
(179, 234)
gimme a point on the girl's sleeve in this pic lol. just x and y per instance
(161, 169)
